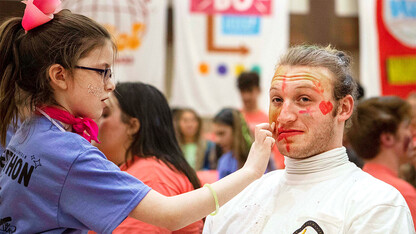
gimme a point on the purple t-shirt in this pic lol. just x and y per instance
(54, 182)
(227, 164)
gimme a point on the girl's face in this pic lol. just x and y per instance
(88, 89)
(188, 124)
(223, 136)
(113, 132)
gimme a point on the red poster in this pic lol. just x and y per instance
(396, 24)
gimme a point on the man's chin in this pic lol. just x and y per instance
(291, 151)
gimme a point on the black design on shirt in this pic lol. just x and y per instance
(17, 168)
(311, 224)
(5, 226)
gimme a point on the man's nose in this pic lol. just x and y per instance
(287, 113)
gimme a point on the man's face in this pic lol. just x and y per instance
(302, 106)
(403, 146)
(249, 97)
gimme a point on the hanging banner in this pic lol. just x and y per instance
(215, 40)
(388, 47)
(139, 29)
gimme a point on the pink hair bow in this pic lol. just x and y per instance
(38, 12)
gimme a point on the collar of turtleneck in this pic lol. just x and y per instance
(316, 168)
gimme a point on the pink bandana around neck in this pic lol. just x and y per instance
(84, 127)
(38, 12)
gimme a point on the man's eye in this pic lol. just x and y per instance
(305, 99)
(277, 99)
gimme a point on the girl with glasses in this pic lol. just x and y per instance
(52, 179)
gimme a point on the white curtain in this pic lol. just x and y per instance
(215, 40)
(369, 60)
(139, 27)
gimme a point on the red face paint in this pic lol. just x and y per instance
(307, 111)
(287, 146)
(325, 107)
(284, 84)
(285, 135)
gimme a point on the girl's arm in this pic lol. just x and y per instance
(181, 210)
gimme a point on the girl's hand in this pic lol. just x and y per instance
(260, 151)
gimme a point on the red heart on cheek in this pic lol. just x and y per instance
(325, 107)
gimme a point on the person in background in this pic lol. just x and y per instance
(248, 83)
(408, 170)
(352, 156)
(52, 178)
(320, 190)
(381, 136)
(199, 152)
(234, 138)
(411, 99)
(137, 134)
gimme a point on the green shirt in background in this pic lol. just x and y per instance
(190, 153)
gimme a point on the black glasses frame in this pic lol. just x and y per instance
(106, 73)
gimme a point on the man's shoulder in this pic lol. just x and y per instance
(266, 181)
(369, 190)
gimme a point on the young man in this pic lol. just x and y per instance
(382, 137)
(319, 191)
(248, 84)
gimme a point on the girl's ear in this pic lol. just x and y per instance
(134, 126)
(59, 77)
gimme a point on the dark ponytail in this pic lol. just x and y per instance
(10, 33)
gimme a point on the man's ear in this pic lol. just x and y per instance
(59, 77)
(345, 108)
(134, 126)
(387, 139)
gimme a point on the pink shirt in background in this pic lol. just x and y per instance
(254, 118)
(161, 178)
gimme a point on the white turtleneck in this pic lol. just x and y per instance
(321, 162)
(325, 193)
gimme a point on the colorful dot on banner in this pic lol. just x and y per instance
(222, 69)
(238, 69)
(256, 69)
(203, 68)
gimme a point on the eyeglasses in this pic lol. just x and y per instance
(105, 73)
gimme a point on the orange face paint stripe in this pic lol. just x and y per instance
(284, 78)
